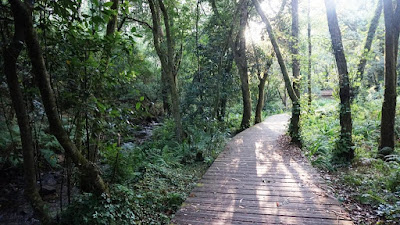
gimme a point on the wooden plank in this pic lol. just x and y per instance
(298, 194)
(255, 175)
(261, 186)
(254, 182)
(263, 180)
(261, 212)
(262, 204)
(210, 217)
(315, 199)
(262, 183)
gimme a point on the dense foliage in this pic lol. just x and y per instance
(371, 181)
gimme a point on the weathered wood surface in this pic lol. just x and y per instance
(255, 181)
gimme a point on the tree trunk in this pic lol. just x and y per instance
(261, 85)
(88, 170)
(277, 50)
(294, 129)
(309, 54)
(344, 152)
(293, 91)
(113, 22)
(260, 101)
(367, 47)
(392, 20)
(168, 62)
(164, 92)
(11, 54)
(241, 62)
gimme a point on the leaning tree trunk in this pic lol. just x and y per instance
(89, 171)
(367, 47)
(344, 152)
(392, 21)
(241, 62)
(277, 50)
(11, 54)
(294, 127)
(290, 89)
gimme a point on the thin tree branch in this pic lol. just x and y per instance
(138, 21)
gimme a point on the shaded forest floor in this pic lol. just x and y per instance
(148, 183)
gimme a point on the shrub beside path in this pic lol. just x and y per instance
(256, 181)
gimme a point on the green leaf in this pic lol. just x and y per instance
(108, 4)
(141, 98)
(50, 157)
(138, 104)
(98, 19)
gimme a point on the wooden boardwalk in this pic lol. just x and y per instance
(254, 181)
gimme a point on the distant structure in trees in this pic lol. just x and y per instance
(326, 94)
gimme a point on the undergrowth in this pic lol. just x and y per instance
(375, 182)
(150, 181)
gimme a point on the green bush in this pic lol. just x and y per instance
(151, 180)
(117, 208)
(377, 181)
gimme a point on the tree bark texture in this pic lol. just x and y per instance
(344, 151)
(241, 62)
(367, 46)
(392, 20)
(89, 171)
(294, 127)
(11, 54)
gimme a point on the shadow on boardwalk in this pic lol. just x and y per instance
(254, 182)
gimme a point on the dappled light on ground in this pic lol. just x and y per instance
(254, 182)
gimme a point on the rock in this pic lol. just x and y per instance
(49, 179)
(33, 221)
(384, 152)
(47, 189)
(365, 161)
(141, 134)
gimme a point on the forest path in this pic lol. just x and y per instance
(256, 181)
